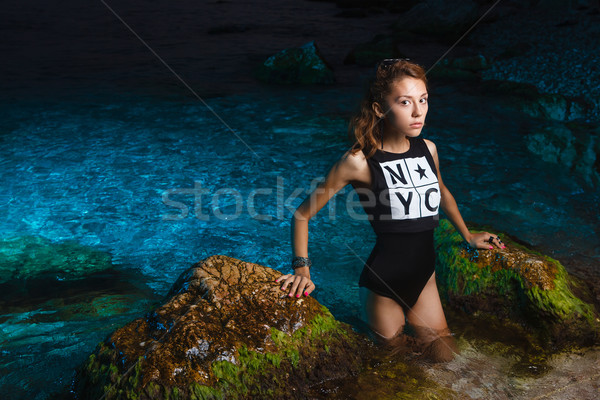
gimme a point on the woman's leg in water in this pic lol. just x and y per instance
(386, 319)
(429, 322)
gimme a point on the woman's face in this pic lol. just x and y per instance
(406, 106)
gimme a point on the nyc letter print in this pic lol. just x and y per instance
(414, 191)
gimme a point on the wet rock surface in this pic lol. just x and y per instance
(487, 371)
(225, 330)
(516, 285)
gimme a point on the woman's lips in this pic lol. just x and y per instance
(416, 125)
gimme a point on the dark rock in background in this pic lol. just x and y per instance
(370, 53)
(575, 145)
(300, 65)
(439, 17)
(460, 68)
(527, 98)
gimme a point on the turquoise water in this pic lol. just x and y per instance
(159, 183)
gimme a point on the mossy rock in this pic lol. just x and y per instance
(299, 65)
(226, 330)
(29, 257)
(515, 284)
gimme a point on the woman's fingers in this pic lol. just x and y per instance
(300, 285)
(295, 287)
(494, 240)
(309, 288)
(287, 279)
(486, 240)
(490, 240)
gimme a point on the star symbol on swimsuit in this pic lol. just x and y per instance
(421, 172)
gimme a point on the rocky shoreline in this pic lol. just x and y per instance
(226, 330)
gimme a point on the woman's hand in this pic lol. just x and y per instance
(485, 240)
(300, 282)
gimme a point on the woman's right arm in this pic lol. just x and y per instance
(348, 169)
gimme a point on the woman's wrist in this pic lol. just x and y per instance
(302, 271)
(468, 236)
(301, 262)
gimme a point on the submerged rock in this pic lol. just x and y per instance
(226, 330)
(515, 284)
(29, 257)
(298, 65)
(576, 146)
(527, 98)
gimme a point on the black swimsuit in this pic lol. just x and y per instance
(402, 205)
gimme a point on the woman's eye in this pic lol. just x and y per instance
(404, 102)
(424, 100)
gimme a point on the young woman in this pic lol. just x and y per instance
(397, 177)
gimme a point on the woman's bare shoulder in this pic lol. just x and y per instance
(354, 166)
(354, 157)
(431, 147)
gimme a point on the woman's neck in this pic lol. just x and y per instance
(396, 143)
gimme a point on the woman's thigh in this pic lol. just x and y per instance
(430, 326)
(383, 314)
(428, 312)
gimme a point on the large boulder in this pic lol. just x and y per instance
(33, 257)
(226, 330)
(298, 65)
(515, 284)
(575, 145)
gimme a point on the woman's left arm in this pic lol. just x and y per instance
(448, 204)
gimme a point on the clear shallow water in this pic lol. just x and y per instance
(121, 172)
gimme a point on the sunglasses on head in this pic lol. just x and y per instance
(389, 61)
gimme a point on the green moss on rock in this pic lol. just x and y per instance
(226, 330)
(513, 283)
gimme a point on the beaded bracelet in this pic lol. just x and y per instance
(298, 262)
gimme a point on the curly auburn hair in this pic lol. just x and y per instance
(365, 128)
